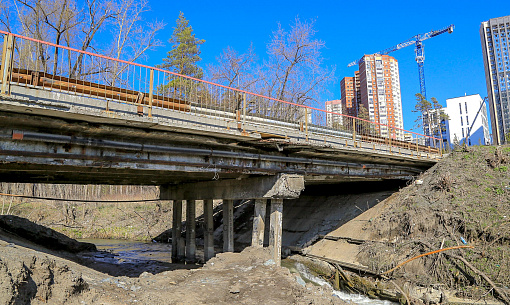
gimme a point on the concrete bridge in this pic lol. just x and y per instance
(195, 139)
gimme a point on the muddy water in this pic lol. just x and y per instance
(131, 258)
(125, 251)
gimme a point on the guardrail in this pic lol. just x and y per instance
(34, 63)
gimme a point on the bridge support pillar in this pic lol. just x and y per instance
(259, 217)
(177, 242)
(190, 231)
(275, 230)
(263, 188)
(228, 225)
(208, 230)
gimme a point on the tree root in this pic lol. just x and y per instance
(502, 295)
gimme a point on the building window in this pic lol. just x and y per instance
(467, 120)
(461, 122)
(460, 108)
(465, 104)
(463, 132)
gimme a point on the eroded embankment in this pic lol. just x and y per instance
(464, 200)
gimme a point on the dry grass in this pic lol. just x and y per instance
(465, 197)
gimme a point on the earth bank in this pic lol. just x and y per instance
(464, 200)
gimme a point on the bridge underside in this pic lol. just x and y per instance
(56, 137)
(52, 150)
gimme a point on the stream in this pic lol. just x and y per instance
(131, 258)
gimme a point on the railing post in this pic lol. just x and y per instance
(353, 129)
(244, 112)
(306, 123)
(389, 137)
(6, 63)
(2, 62)
(151, 91)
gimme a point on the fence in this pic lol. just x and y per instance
(39, 64)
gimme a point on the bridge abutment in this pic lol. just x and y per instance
(273, 188)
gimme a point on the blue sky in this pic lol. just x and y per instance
(453, 62)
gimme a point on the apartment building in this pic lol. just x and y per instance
(333, 120)
(495, 38)
(379, 91)
(350, 93)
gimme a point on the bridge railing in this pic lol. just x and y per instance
(39, 64)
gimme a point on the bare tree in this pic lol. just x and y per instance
(96, 14)
(132, 40)
(43, 20)
(235, 70)
(295, 56)
(294, 71)
(65, 23)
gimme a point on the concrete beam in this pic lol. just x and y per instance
(228, 225)
(281, 186)
(257, 236)
(275, 230)
(208, 230)
(190, 231)
(177, 242)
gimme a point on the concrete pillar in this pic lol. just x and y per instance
(190, 231)
(208, 230)
(257, 235)
(228, 225)
(177, 242)
(275, 230)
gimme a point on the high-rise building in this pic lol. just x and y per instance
(468, 121)
(495, 37)
(333, 120)
(349, 89)
(379, 91)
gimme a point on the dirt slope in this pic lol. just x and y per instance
(462, 200)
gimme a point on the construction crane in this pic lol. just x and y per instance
(417, 40)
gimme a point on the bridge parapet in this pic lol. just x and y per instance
(157, 94)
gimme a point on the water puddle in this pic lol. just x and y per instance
(131, 258)
(124, 251)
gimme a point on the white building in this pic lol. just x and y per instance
(495, 37)
(333, 120)
(468, 121)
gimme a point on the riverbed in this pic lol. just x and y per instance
(135, 257)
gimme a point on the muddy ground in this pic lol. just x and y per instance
(33, 274)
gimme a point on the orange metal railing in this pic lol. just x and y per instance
(30, 62)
